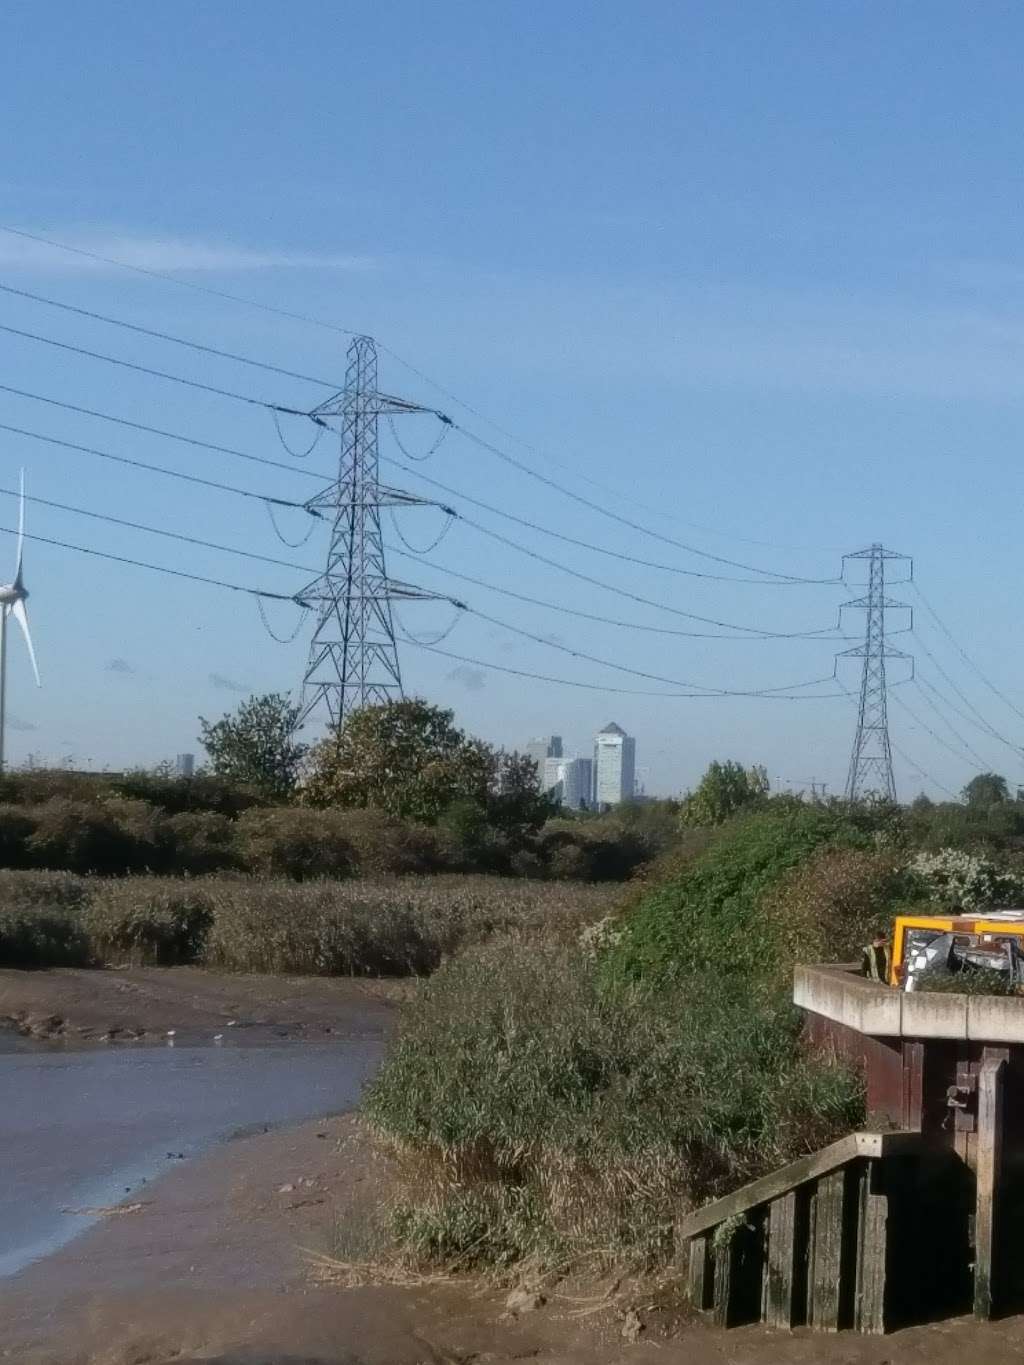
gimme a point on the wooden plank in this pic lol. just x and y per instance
(796, 1173)
(988, 1160)
(778, 1304)
(872, 1249)
(913, 1085)
(725, 1259)
(826, 1253)
(701, 1275)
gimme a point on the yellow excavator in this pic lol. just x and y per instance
(991, 940)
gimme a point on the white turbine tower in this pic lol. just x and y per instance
(12, 603)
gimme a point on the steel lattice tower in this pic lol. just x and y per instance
(353, 655)
(871, 760)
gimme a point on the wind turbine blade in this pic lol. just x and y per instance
(21, 537)
(21, 616)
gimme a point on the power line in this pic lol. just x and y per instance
(981, 723)
(966, 658)
(169, 435)
(626, 521)
(586, 544)
(153, 373)
(322, 323)
(902, 752)
(156, 568)
(632, 596)
(594, 687)
(167, 336)
(972, 755)
(638, 673)
(925, 726)
(155, 530)
(586, 615)
(155, 468)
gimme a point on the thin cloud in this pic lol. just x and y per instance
(13, 723)
(120, 666)
(165, 254)
(227, 684)
(472, 679)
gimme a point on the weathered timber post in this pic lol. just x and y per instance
(826, 1253)
(988, 1158)
(872, 1250)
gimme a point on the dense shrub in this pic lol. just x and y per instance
(544, 1114)
(41, 920)
(825, 909)
(710, 919)
(16, 824)
(970, 981)
(176, 795)
(294, 842)
(202, 842)
(79, 837)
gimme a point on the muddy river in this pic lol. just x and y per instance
(80, 1131)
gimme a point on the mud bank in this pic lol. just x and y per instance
(139, 1006)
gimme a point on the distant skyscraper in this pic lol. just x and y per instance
(614, 766)
(569, 781)
(547, 746)
(185, 765)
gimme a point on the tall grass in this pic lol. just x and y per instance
(539, 1113)
(386, 926)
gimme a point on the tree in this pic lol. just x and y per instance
(516, 805)
(407, 758)
(987, 789)
(723, 790)
(255, 747)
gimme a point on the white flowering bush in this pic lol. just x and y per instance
(964, 879)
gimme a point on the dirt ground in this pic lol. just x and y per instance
(233, 1260)
(245, 1256)
(140, 1005)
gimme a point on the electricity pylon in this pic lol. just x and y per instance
(353, 656)
(870, 772)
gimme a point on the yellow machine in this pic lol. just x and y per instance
(992, 940)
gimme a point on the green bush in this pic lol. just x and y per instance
(202, 841)
(970, 981)
(16, 824)
(710, 920)
(543, 1113)
(41, 921)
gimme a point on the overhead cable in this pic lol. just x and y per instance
(155, 568)
(153, 373)
(153, 530)
(626, 521)
(168, 435)
(593, 616)
(583, 544)
(312, 321)
(700, 688)
(155, 468)
(167, 336)
(597, 687)
(963, 654)
(980, 721)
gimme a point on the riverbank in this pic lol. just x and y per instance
(223, 1263)
(143, 1005)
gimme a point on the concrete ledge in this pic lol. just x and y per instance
(843, 995)
(840, 993)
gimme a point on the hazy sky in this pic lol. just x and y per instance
(755, 270)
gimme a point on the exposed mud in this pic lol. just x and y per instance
(142, 1005)
(224, 1263)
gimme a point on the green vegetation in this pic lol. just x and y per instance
(256, 747)
(395, 927)
(564, 1102)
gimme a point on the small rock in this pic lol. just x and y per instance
(171, 1032)
(523, 1300)
(631, 1326)
(286, 1189)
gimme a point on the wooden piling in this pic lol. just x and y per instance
(700, 1273)
(778, 1303)
(826, 1253)
(988, 1154)
(872, 1246)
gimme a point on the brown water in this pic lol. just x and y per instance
(84, 1130)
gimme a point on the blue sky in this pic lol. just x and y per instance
(751, 269)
